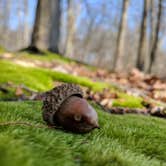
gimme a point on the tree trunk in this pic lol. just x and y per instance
(46, 31)
(26, 25)
(35, 32)
(142, 48)
(70, 29)
(54, 38)
(72, 13)
(151, 35)
(119, 52)
(5, 24)
(156, 37)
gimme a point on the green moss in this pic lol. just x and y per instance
(125, 100)
(96, 86)
(8, 96)
(2, 49)
(43, 79)
(50, 57)
(46, 56)
(33, 78)
(122, 140)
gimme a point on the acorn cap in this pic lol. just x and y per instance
(54, 99)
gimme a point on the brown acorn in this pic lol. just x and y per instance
(65, 106)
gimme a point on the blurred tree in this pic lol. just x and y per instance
(46, 31)
(71, 28)
(152, 21)
(119, 52)
(26, 26)
(4, 21)
(142, 47)
(155, 37)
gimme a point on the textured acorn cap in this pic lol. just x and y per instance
(54, 99)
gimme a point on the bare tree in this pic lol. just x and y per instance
(119, 52)
(90, 25)
(46, 31)
(20, 33)
(6, 8)
(26, 26)
(71, 28)
(156, 37)
(35, 33)
(142, 47)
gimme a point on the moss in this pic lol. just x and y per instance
(49, 56)
(43, 79)
(125, 100)
(8, 96)
(96, 86)
(2, 49)
(45, 56)
(122, 140)
(33, 78)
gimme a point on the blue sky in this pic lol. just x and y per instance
(14, 22)
(134, 9)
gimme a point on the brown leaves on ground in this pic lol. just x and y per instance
(135, 83)
(104, 98)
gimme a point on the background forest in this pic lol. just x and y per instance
(116, 35)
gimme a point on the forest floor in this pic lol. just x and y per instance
(127, 139)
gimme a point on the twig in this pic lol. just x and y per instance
(4, 90)
(121, 110)
(22, 86)
(27, 89)
(25, 124)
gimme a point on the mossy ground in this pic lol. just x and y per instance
(43, 79)
(122, 140)
(129, 140)
(45, 56)
(2, 50)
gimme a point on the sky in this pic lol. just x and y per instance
(134, 9)
(14, 22)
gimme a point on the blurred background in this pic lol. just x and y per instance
(114, 34)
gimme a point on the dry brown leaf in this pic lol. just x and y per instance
(19, 91)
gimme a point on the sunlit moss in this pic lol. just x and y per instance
(125, 100)
(43, 79)
(122, 140)
(2, 49)
(45, 56)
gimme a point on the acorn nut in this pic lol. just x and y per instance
(65, 106)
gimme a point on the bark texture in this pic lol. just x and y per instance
(119, 53)
(46, 31)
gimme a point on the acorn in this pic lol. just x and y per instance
(65, 106)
